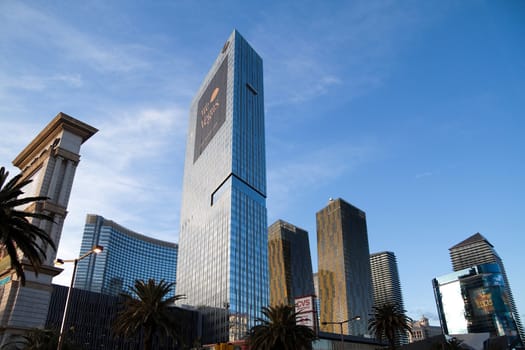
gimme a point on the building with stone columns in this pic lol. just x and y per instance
(50, 160)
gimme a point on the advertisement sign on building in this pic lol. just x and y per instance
(211, 110)
(305, 309)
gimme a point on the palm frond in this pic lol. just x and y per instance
(278, 329)
(147, 310)
(389, 321)
(17, 233)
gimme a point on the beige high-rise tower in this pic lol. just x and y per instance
(345, 282)
(50, 160)
(290, 263)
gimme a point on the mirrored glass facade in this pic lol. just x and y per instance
(475, 300)
(476, 250)
(345, 281)
(127, 256)
(290, 263)
(223, 261)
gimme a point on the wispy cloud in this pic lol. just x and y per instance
(320, 87)
(425, 174)
(417, 313)
(309, 170)
(128, 136)
(300, 68)
(20, 21)
(39, 83)
(130, 172)
(14, 138)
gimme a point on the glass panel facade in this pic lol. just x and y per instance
(223, 262)
(127, 256)
(475, 300)
(290, 263)
(345, 280)
(477, 250)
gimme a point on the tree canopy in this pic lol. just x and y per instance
(278, 330)
(147, 310)
(389, 321)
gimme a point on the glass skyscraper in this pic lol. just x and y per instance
(475, 300)
(223, 255)
(127, 256)
(477, 250)
(345, 282)
(290, 263)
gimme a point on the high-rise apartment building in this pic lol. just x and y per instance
(127, 256)
(50, 161)
(386, 283)
(385, 279)
(223, 244)
(345, 282)
(290, 263)
(477, 250)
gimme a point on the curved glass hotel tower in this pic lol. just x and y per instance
(127, 256)
(223, 254)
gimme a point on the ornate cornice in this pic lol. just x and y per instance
(60, 123)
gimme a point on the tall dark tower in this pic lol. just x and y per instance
(223, 245)
(290, 263)
(345, 283)
(477, 250)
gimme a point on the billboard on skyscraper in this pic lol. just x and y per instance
(211, 112)
(223, 256)
(304, 307)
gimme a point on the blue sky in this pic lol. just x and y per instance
(411, 111)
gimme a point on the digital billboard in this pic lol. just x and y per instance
(211, 110)
(489, 300)
(482, 301)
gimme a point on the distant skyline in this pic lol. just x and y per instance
(411, 111)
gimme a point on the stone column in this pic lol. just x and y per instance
(52, 158)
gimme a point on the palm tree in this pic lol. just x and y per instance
(148, 311)
(17, 233)
(279, 331)
(389, 321)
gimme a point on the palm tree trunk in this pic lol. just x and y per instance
(391, 341)
(148, 339)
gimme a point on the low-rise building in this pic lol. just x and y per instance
(421, 330)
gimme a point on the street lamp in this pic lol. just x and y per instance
(340, 323)
(96, 249)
